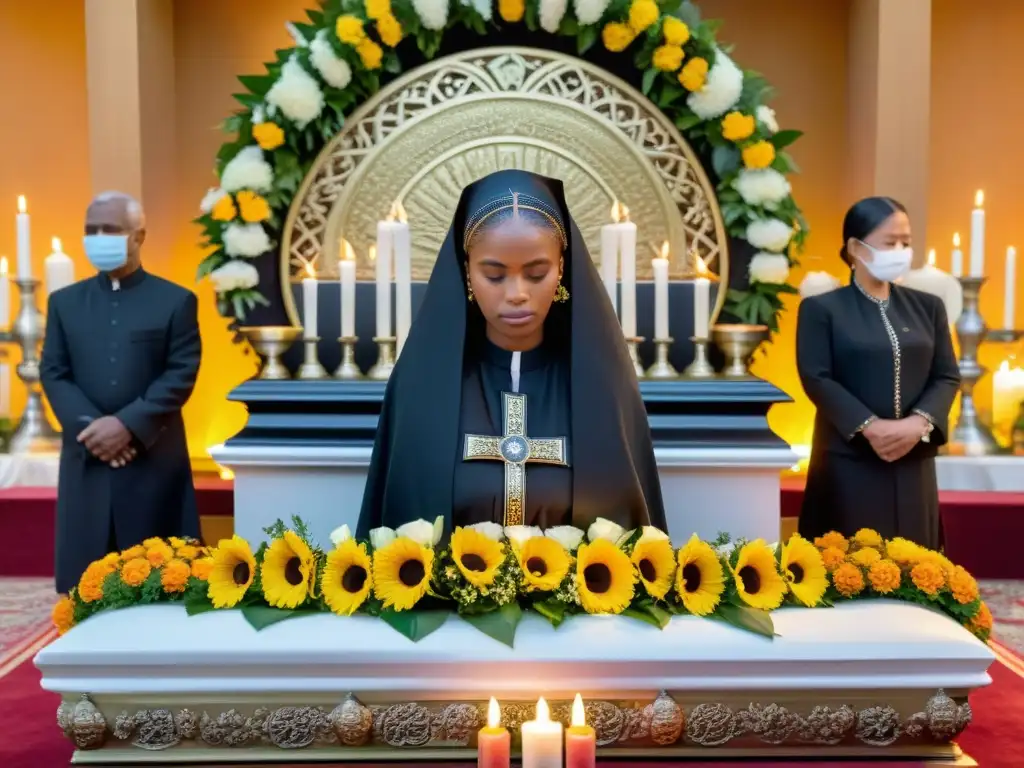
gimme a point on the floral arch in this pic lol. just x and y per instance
(348, 49)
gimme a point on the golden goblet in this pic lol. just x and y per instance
(738, 343)
(270, 342)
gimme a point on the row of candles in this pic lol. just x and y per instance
(542, 740)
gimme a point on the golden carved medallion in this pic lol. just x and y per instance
(428, 134)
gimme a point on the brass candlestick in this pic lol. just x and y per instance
(348, 370)
(381, 370)
(738, 343)
(700, 368)
(311, 369)
(662, 368)
(270, 342)
(633, 345)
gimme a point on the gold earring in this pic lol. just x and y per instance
(469, 292)
(561, 293)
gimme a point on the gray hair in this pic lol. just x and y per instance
(132, 207)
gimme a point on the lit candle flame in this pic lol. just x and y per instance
(543, 712)
(664, 250)
(619, 212)
(579, 715)
(1004, 367)
(493, 714)
(979, 199)
(397, 212)
(55, 242)
(373, 253)
(21, 204)
(956, 239)
(700, 266)
(346, 251)
(3, 266)
(310, 270)
(931, 257)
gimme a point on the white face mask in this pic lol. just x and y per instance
(889, 265)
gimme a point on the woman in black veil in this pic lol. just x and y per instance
(515, 354)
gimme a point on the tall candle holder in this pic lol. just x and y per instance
(633, 345)
(700, 368)
(348, 370)
(34, 433)
(311, 368)
(662, 368)
(381, 370)
(971, 437)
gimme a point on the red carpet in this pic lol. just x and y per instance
(29, 737)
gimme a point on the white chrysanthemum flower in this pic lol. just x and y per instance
(482, 7)
(605, 529)
(381, 537)
(340, 535)
(769, 268)
(297, 94)
(769, 234)
(551, 13)
(569, 536)
(211, 198)
(817, 283)
(721, 91)
(247, 170)
(764, 187)
(233, 276)
(589, 11)
(766, 117)
(433, 13)
(491, 530)
(332, 68)
(258, 115)
(293, 31)
(246, 240)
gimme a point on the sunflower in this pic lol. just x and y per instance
(401, 573)
(288, 571)
(757, 578)
(700, 579)
(604, 577)
(544, 563)
(656, 563)
(347, 579)
(476, 556)
(804, 570)
(232, 573)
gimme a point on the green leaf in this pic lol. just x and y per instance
(686, 122)
(725, 159)
(690, 13)
(552, 610)
(749, 619)
(500, 624)
(262, 616)
(415, 624)
(785, 138)
(648, 616)
(198, 604)
(586, 40)
(648, 81)
(257, 84)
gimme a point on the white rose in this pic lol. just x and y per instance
(770, 268)
(769, 234)
(340, 535)
(766, 117)
(817, 283)
(605, 529)
(721, 91)
(569, 536)
(491, 530)
(246, 240)
(297, 94)
(381, 537)
(762, 186)
(423, 532)
(247, 170)
(518, 534)
(650, 533)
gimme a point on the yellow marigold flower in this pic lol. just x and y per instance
(866, 557)
(928, 577)
(176, 541)
(511, 10)
(642, 14)
(224, 209)
(929, 556)
(982, 621)
(757, 578)
(132, 552)
(667, 58)
(761, 154)
(136, 571)
(187, 552)
(867, 537)
(174, 576)
(377, 9)
(268, 135)
(904, 552)
(154, 541)
(159, 554)
(370, 54)
(63, 615)
(848, 580)
(736, 126)
(90, 586)
(675, 31)
(694, 74)
(832, 539)
(349, 30)
(616, 36)
(113, 559)
(833, 557)
(963, 586)
(390, 30)
(202, 567)
(253, 207)
(884, 576)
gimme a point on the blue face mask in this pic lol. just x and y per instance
(106, 252)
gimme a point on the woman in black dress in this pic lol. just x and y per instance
(877, 361)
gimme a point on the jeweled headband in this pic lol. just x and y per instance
(516, 201)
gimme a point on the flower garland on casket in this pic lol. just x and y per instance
(302, 100)
(490, 576)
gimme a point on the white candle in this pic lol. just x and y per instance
(1010, 296)
(1007, 394)
(403, 273)
(58, 268)
(5, 295)
(627, 252)
(380, 255)
(701, 300)
(24, 240)
(610, 256)
(957, 261)
(660, 265)
(542, 740)
(347, 269)
(978, 236)
(310, 288)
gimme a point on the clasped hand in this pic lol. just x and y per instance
(893, 439)
(108, 440)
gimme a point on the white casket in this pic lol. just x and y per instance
(871, 677)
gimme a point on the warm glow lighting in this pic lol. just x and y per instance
(310, 270)
(979, 199)
(21, 204)
(397, 212)
(226, 474)
(664, 250)
(493, 714)
(543, 712)
(700, 266)
(346, 251)
(931, 257)
(55, 242)
(619, 212)
(373, 253)
(579, 717)
(956, 239)
(3, 266)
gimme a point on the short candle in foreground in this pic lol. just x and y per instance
(580, 739)
(542, 740)
(494, 743)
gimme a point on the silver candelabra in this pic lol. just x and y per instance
(34, 433)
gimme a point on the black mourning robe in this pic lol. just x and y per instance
(130, 349)
(443, 385)
(858, 358)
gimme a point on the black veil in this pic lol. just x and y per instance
(418, 441)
